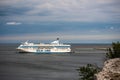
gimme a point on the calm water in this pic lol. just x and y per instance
(17, 66)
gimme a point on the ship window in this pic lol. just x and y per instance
(47, 50)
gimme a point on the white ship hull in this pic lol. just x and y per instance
(44, 51)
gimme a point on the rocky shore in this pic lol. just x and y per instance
(110, 71)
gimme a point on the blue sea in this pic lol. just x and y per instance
(31, 66)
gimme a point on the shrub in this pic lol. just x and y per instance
(113, 52)
(87, 72)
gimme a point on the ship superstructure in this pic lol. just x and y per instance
(53, 47)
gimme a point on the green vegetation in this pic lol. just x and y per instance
(87, 72)
(113, 52)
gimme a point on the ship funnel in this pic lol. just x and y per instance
(57, 38)
(56, 42)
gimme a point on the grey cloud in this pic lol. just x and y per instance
(9, 11)
(63, 10)
(51, 36)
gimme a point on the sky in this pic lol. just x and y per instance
(73, 21)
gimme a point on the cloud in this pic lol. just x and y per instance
(111, 28)
(17, 12)
(94, 31)
(64, 10)
(64, 37)
(13, 23)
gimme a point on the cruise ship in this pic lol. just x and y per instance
(53, 47)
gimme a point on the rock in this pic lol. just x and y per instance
(110, 71)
